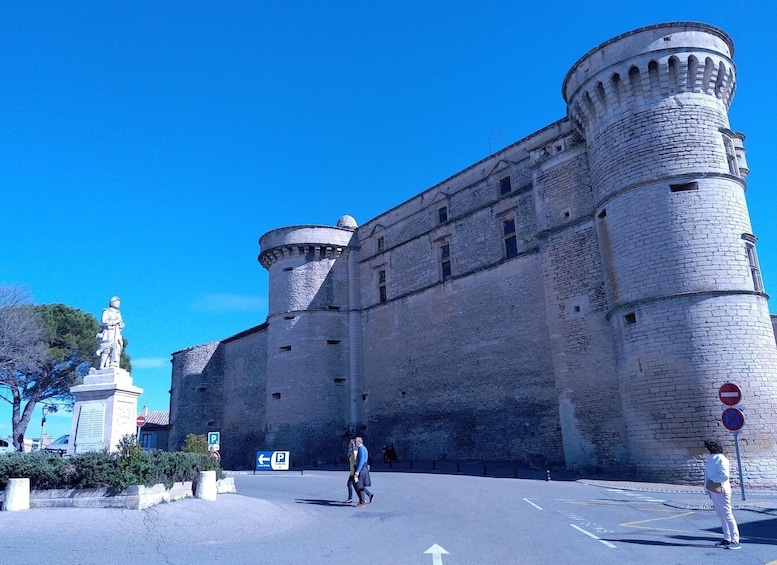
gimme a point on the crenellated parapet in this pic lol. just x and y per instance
(308, 252)
(647, 65)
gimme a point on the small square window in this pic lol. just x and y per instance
(630, 318)
(442, 215)
(285, 347)
(276, 396)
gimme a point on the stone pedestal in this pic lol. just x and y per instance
(105, 410)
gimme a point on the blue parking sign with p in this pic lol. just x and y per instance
(214, 438)
(272, 461)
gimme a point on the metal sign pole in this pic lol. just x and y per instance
(739, 465)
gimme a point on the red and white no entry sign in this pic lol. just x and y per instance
(729, 394)
(140, 421)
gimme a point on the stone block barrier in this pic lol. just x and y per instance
(17, 495)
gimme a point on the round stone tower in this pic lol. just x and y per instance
(687, 306)
(309, 372)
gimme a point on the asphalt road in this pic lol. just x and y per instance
(416, 518)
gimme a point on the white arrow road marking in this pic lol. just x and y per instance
(589, 534)
(437, 553)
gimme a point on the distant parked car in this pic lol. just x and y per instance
(59, 445)
(6, 447)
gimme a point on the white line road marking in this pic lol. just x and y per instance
(589, 534)
(530, 502)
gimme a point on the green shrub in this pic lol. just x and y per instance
(92, 470)
(195, 443)
(45, 470)
(129, 465)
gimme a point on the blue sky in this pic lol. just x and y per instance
(146, 146)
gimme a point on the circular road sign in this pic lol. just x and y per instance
(729, 394)
(140, 421)
(733, 419)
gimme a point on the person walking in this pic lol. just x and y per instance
(361, 473)
(352, 462)
(718, 487)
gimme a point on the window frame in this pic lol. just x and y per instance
(509, 237)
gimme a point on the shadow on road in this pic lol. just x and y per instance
(321, 502)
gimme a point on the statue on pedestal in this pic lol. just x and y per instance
(109, 340)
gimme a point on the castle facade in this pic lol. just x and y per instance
(575, 299)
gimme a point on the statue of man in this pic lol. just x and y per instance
(109, 340)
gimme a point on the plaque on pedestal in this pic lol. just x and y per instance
(105, 409)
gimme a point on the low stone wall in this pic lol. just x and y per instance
(131, 498)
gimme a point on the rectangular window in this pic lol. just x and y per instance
(731, 156)
(511, 242)
(381, 244)
(442, 215)
(445, 261)
(755, 270)
(505, 186)
(382, 285)
(684, 186)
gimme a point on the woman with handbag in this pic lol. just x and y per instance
(718, 487)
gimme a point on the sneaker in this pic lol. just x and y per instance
(733, 545)
(360, 505)
(723, 543)
(371, 497)
(348, 501)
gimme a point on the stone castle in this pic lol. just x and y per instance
(575, 299)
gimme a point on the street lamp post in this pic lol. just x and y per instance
(45, 410)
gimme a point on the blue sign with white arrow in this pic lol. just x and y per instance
(272, 460)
